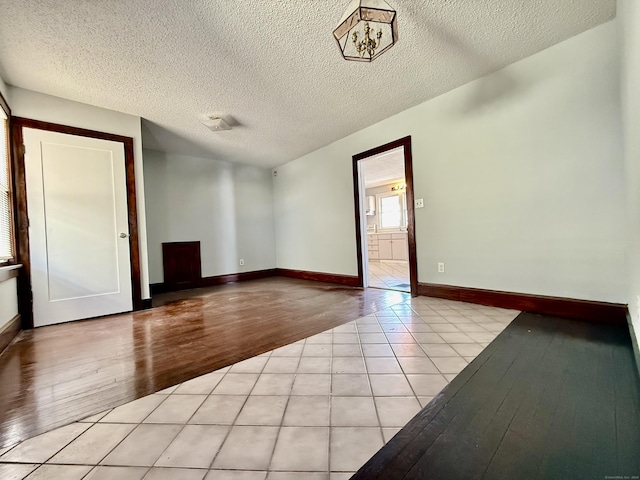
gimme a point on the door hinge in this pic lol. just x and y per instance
(22, 150)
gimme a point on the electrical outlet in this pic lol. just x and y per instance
(441, 267)
(420, 203)
(241, 261)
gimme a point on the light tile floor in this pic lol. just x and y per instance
(316, 409)
(389, 275)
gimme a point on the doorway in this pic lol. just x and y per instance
(385, 222)
(78, 233)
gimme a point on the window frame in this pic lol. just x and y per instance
(11, 188)
(404, 217)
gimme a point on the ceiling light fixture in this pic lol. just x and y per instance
(366, 30)
(214, 123)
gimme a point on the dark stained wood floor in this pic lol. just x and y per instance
(547, 399)
(52, 376)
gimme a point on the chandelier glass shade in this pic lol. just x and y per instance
(366, 30)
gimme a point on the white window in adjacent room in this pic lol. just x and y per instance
(6, 224)
(393, 211)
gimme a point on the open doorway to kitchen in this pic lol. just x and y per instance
(385, 226)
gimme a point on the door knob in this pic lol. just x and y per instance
(123, 235)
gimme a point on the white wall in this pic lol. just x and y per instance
(8, 301)
(227, 207)
(4, 90)
(629, 26)
(521, 175)
(38, 106)
(8, 289)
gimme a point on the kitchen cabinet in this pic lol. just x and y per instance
(372, 246)
(399, 246)
(384, 242)
(388, 246)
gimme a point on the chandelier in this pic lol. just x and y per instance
(367, 30)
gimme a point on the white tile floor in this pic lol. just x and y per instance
(389, 275)
(315, 410)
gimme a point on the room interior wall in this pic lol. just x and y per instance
(227, 207)
(38, 106)
(629, 29)
(8, 288)
(4, 89)
(520, 171)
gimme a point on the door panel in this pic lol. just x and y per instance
(77, 203)
(400, 249)
(384, 249)
(181, 264)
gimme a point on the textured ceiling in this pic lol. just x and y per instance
(272, 65)
(383, 168)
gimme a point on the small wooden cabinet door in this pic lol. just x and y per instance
(385, 251)
(400, 249)
(181, 261)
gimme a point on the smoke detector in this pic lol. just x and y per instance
(212, 122)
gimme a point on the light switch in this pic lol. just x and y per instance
(420, 203)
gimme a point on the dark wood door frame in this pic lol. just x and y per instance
(411, 220)
(22, 219)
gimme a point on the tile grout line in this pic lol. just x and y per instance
(425, 352)
(91, 424)
(235, 418)
(142, 423)
(330, 405)
(373, 398)
(107, 454)
(184, 425)
(286, 405)
(137, 424)
(401, 368)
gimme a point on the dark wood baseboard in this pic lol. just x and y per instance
(561, 307)
(146, 303)
(157, 288)
(9, 332)
(237, 277)
(348, 280)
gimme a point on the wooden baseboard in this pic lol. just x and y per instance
(9, 332)
(238, 277)
(157, 288)
(146, 304)
(348, 280)
(557, 306)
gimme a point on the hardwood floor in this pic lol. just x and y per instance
(52, 376)
(549, 398)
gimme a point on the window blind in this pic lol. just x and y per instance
(6, 240)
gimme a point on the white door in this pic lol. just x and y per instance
(78, 226)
